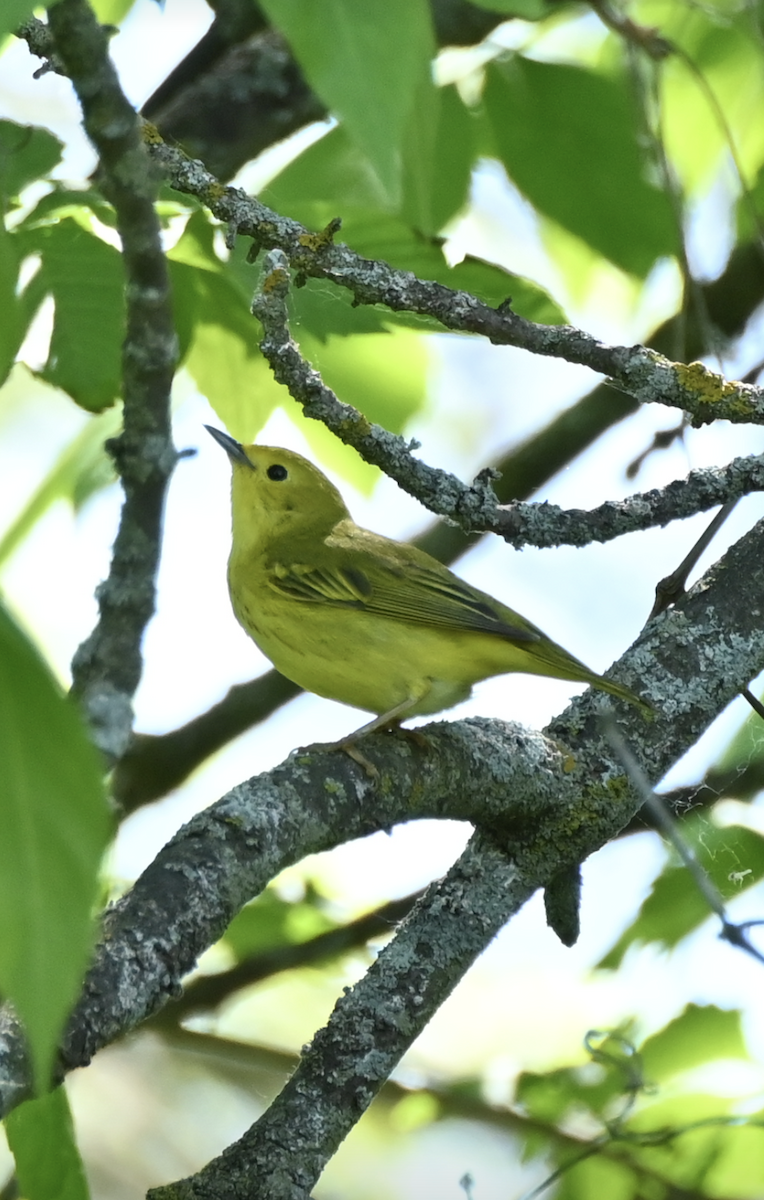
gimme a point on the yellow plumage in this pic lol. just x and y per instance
(358, 617)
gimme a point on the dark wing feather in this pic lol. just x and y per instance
(413, 592)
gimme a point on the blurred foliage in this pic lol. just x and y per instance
(609, 149)
(271, 921)
(732, 857)
(55, 824)
(41, 1136)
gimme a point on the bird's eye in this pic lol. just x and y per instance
(277, 472)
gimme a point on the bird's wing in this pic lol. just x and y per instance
(415, 593)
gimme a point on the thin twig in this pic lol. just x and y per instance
(669, 589)
(730, 932)
(644, 37)
(755, 704)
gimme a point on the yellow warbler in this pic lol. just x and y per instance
(358, 617)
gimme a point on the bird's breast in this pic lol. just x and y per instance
(348, 654)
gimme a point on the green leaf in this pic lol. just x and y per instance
(70, 202)
(82, 468)
(111, 12)
(371, 65)
(11, 325)
(419, 201)
(567, 137)
(549, 1097)
(713, 1151)
(335, 171)
(698, 1035)
(737, 1168)
(54, 825)
(218, 336)
(455, 151)
(383, 375)
(229, 370)
(269, 922)
(675, 907)
(527, 10)
(196, 245)
(13, 12)
(722, 68)
(26, 153)
(598, 1176)
(223, 357)
(41, 1138)
(84, 275)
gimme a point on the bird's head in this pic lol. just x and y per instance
(275, 492)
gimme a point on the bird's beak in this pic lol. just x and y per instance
(233, 449)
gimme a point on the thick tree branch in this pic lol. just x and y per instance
(209, 991)
(646, 375)
(375, 1023)
(550, 801)
(107, 667)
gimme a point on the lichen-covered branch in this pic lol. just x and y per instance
(475, 508)
(547, 525)
(643, 373)
(107, 666)
(549, 800)
(372, 1025)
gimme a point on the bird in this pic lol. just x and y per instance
(361, 618)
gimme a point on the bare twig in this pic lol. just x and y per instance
(669, 589)
(661, 441)
(730, 932)
(644, 37)
(754, 702)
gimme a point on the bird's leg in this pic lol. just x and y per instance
(387, 720)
